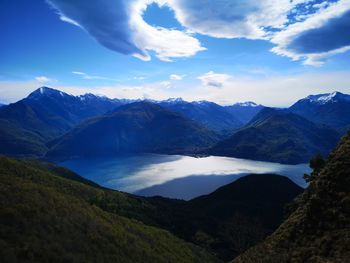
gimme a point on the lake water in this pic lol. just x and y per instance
(175, 176)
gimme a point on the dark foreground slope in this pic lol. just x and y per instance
(319, 228)
(46, 218)
(278, 136)
(48, 211)
(238, 215)
(134, 128)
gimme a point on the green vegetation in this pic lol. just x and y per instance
(54, 206)
(46, 218)
(318, 230)
(317, 163)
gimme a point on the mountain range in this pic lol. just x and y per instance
(212, 115)
(278, 136)
(27, 125)
(52, 123)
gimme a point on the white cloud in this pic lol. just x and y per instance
(232, 19)
(44, 79)
(214, 79)
(318, 37)
(176, 77)
(119, 25)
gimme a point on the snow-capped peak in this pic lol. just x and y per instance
(173, 100)
(328, 98)
(246, 104)
(45, 91)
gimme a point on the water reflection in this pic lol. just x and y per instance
(175, 172)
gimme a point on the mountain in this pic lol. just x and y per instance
(46, 217)
(244, 111)
(2, 105)
(237, 215)
(134, 128)
(210, 114)
(332, 109)
(278, 136)
(318, 229)
(45, 114)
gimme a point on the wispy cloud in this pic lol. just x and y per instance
(44, 79)
(91, 77)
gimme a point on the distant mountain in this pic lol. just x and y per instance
(332, 109)
(210, 114)
(318, 227)
(278, 136)
(134, 128)
(245, 111)
(2, 105)
(45, 114)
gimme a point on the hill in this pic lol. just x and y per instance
(132, 128)
(48, 218)
(238, 215)
(318, 230)
(278, 136)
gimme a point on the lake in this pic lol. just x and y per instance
(175, 176)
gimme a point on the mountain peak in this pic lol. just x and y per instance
(246, 104)
(173, 100)
(45, 91)
(326, 98)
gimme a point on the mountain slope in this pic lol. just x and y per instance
(238, 215)
(226, 222)
(45, 114)
(134, 128)
(244, 111)
(278, 136)
(210, 114)
(319, 228)
(47, 218)
(332, 109)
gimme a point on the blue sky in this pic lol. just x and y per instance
(272, 52)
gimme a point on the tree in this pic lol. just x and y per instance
(316, 163)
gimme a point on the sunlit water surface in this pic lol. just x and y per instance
(175, 176)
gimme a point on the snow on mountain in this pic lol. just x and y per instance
(328, 98)
(247, 104)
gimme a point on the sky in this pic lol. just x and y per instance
(273, 52)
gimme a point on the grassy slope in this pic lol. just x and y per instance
(46, 218)
(319, 228)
